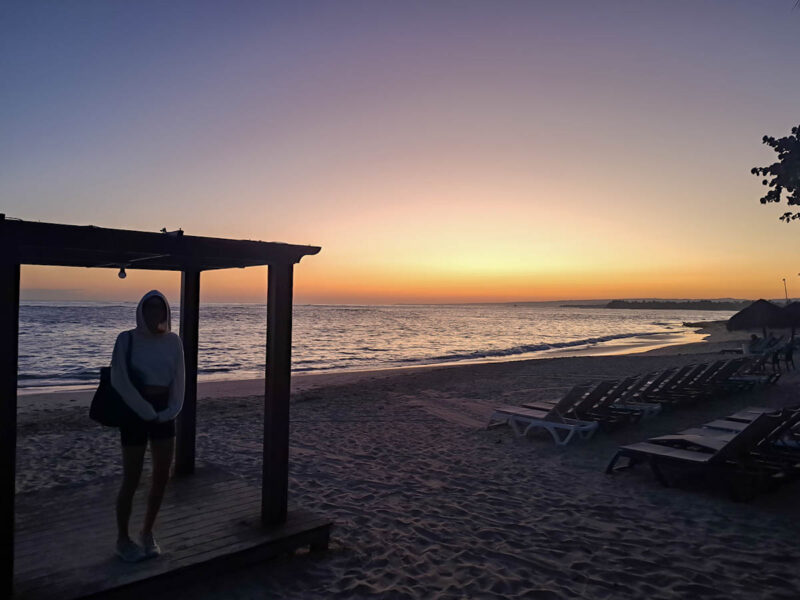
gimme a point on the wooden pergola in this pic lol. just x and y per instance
(34, 243)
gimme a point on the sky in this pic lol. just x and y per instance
(437, 151)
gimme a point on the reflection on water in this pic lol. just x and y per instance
(66, 343)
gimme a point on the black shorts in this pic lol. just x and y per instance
(135, 432)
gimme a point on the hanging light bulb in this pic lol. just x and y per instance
(122, 274)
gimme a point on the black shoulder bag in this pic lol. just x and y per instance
(108, 408)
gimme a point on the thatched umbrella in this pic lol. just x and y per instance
(759, 314)
(792, 314)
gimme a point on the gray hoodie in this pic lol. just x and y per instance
(157, 359)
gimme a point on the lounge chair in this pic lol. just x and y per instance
(677, 389)
(609, 408)
(648, 385)
(565, 402)
(694, 386)
(654, 391)
(748, 414)
(764, 346)
(598, 403)
(713, 381)
(732, 425)
(735, 458)
(624, 396)
(592, 408)
(784, 442)
(754, 372)
(552, 419)
(780, 448)
(721, 380)
(641, 384)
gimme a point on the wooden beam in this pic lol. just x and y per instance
(275, 467)
(9, 334)
(88, 246)
(187, 420)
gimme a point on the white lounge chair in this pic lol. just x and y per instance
(524, 419)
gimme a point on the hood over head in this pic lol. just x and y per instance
(141, 326)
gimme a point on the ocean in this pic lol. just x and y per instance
(64, 344)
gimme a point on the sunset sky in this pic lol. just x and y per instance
(437, 151)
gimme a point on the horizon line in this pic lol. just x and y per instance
(588, 302)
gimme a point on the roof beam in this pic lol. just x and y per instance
(26, 242)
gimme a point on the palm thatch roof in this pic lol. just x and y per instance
(759, 315)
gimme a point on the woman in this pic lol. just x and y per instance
(154, 393)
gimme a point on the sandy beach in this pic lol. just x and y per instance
(427, 502)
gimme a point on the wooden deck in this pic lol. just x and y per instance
(65, 537)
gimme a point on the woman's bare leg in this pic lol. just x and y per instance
(162, 451)
(132, 461)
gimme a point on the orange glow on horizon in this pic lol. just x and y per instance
(420, 283)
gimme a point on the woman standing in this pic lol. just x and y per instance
(154, 393)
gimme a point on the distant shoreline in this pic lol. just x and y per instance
(667, 305)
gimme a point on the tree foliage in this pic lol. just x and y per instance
(785, 173)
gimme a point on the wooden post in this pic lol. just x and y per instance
(275, 466)
(9, 333)
(187, 420)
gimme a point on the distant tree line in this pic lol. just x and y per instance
(680, 305)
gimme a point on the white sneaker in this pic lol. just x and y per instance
(151, 547)
(130, 551)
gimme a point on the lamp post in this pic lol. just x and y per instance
(785, 292)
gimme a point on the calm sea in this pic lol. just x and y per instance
(65, 344)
